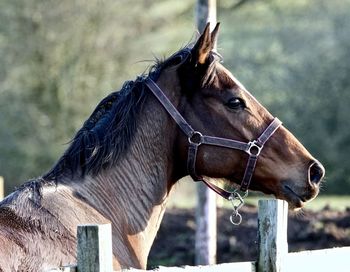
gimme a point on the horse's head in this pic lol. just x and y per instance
(216, 104)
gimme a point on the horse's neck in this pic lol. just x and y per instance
(132, 194)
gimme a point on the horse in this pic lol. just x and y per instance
(188, 115)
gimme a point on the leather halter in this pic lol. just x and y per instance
(195, 139)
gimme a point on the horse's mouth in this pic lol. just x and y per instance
(295, 200)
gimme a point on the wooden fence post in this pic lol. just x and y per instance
(2, 188)
(94, 248)
(272, 224)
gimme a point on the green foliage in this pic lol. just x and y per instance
(59, 58)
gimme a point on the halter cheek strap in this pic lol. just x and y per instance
(195, 139)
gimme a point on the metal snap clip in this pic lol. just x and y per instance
(237, 202)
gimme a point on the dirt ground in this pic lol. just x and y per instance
(174, 244)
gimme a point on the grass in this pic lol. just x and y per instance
(185, 196)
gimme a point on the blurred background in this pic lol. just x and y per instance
(60, 58)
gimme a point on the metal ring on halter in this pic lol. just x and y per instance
(254, 149)
(238, 219)
(196, 138)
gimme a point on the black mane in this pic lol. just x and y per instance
(108, 132)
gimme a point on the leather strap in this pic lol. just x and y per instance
(254, 154)
(191, 162)
(269, 131)
(223, 193)
(195, 139)
(248, 173)
(158, 93)
(217, 141)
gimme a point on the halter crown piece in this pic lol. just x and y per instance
(195, 139)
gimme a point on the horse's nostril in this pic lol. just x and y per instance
(316, 172)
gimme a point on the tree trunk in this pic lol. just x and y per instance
(206, 199)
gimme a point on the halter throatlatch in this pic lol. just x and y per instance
(196, 139)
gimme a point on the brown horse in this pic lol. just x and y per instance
(123, 162)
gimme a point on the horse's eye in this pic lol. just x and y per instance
(235, 103)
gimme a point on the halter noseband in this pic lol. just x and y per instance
(195, 139)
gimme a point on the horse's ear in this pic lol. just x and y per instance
(214, 34)
(205, 44)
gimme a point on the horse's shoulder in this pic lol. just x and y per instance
(9, 216)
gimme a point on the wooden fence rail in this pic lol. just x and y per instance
(95, 241)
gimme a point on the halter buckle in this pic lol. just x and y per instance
(254, 148)
(195, 138)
